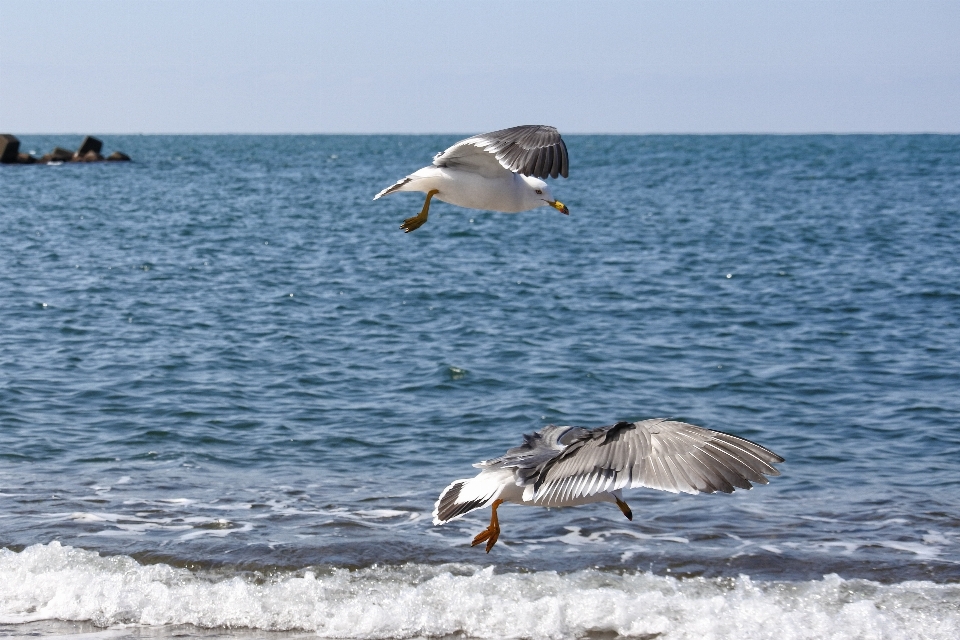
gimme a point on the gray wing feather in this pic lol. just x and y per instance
(659, 454)
(532, 150)
(537, 449)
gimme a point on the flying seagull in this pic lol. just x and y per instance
(498, 171)
(567, 466)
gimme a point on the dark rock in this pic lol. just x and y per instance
(89, 144)
(118, 156)
(59, 154)
(25, 158)
(89, 156)
(9, 148)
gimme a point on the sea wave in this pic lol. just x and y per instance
(57, 582)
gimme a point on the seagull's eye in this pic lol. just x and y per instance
(540, 192)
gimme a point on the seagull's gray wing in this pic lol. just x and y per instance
(660, 454)
(531, 149)
(536, 451)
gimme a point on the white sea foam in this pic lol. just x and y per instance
(49, 582)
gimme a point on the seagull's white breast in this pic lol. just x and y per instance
(504, 193)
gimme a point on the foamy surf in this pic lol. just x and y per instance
(55, 582)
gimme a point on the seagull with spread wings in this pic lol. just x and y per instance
(568, 466)
(497, 171)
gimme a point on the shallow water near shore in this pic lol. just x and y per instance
(231, 388)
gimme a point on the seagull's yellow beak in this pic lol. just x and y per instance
(559, 206)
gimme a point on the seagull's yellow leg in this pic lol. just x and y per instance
(625, 508)
(416, 221)
(491, 533)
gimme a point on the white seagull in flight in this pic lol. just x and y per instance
(497, 171)
(567, 466)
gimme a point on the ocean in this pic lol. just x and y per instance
(231, 389)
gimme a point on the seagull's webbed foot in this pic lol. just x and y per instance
(492, 533)
(417, 221)
(624, 508)
(413, 223)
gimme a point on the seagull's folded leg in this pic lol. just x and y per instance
(491, 533)
(417, 221)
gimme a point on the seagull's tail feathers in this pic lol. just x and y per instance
(394, 187)
(464, 496)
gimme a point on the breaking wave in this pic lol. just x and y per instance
(55, 582)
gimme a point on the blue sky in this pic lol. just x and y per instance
(593, 66)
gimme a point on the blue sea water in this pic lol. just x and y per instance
(231, 388)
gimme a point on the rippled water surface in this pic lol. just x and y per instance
(225, 357)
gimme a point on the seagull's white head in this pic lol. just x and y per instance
(538, 195)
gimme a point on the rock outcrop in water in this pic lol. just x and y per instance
(59, 154)
(89, 151)
(89, 144)
(9, 148)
